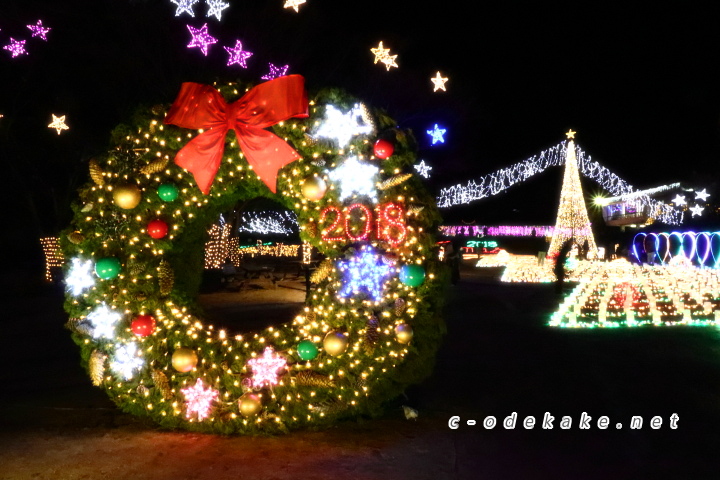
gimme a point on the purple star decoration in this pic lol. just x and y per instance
(275, 72)
(201, 38)
(38, 30)
(15, 47)
(237, 55)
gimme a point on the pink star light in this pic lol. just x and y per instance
(201, 38)
(15, 47)
(38, 30)
(275, 72)
(265, 368)
(238, 55)
(199, 400)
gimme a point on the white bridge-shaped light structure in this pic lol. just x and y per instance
(504, 178)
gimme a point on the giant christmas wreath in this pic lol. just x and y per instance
(371, 324)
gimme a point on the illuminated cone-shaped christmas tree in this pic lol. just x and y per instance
(572, 218)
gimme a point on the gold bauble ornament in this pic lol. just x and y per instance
(403, 333)
(249, 404)
(335, 343)
(314, 188)
(184, 359)
(127, 196)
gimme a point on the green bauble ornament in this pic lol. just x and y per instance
(412, 275)
(107, 268)
(168, 192)
(307, 350)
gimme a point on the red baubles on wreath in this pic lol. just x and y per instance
(157, 229)
(383, 149)
(143, 325)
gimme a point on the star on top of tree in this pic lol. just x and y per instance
(295, 4)
(265, 368)
(679, 200)
(199, 400)
(215, 7)
(201, 38)
(38, 30)
(702, 195)
(184, 6)
(238, 55)
(365, 272)
(423, 169)
(696, 210)
(437, 134)
(439, 81)
(570, 134)
(58, 123)
(15, 47)
(355, 178)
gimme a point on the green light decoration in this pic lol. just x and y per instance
(168, 192)
(412, 275)
(307, 350)
(107, 268)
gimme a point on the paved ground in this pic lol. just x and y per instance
(498, 358)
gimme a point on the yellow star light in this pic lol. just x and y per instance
(380, 53)
(389, 61)
(570, 134)
(295, 4)
(439, 82)
(58, 123)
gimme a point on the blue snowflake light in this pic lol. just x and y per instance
(437, 134)
(366, 272)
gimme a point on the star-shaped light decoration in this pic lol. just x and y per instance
(423, 169)
(702, 195)
(80, 276)
(215, 7)
(15, 47)
(355, 178)
(365, 272)
(201, 38)
(275, 72)
(341, 127)
(104, 321)
(383, 55)
(265, 368)
(696, 210)
(184, 6)
(38, 30)
(679, 200)
(295, 4)
(238, 55)
(199, 400)
(126, 360)
(439, 81)
(570, 134)
(437, 134)
(58, 123)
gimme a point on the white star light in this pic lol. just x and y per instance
(104, 321)
(341, 127)
(679, 200)
(439, 82)
(265, 368)
(702, 195)
(184, 6)
(58, 123)
(215, 7)
(696, 210)
(199, 400)
(80, 276)
(423, 169)
(294, 4)
(126, 360)
(355, 179)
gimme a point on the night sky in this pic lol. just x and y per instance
(639, 85)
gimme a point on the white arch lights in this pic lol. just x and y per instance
(504, 178)
(701, 248)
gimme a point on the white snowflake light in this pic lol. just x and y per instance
(126, 360)
(341, 127)
(104, 321)
(265, 368)
(423, 169)
(355, 178)
(184, 6)
(199, 400)
(80, 276)
(215, 7)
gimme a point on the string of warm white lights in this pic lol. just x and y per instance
(53, 255)
(267, 222)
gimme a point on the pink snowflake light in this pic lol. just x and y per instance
(15, 47)
(265, 368)
(201, 38)
(238, 55)
(38, 30)
(199, 400)
(275, 72)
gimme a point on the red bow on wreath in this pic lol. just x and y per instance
(201, 106)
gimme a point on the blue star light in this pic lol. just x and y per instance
(437, 134)
(367, 271)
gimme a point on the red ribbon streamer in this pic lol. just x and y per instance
(201, 106)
